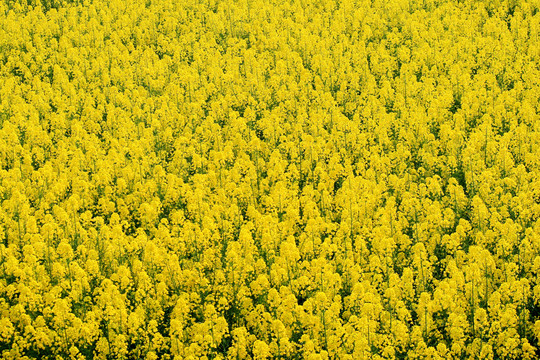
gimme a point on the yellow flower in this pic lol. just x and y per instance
(261, 350)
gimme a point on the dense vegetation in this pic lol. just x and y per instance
(317, 179)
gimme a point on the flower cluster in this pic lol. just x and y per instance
(237, 179)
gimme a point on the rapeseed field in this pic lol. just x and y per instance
(269, 179)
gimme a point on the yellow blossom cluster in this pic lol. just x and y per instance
(269, 179)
